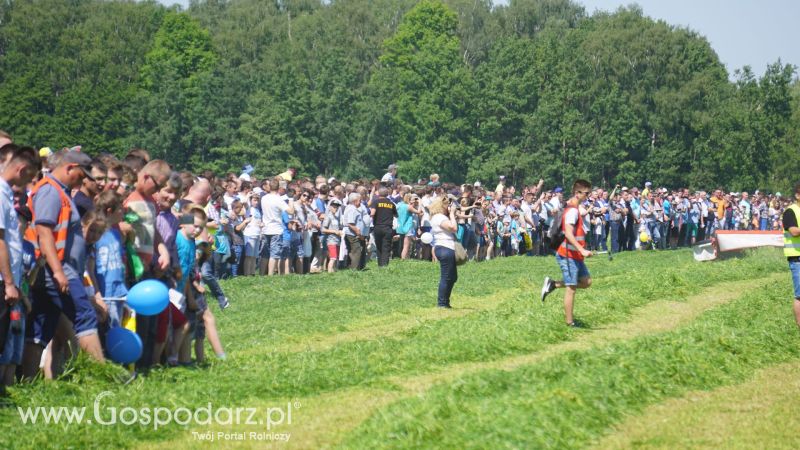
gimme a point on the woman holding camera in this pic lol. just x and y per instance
(444, 227)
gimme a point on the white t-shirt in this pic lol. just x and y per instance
(441, 237)
(527, 213)
(571, 217)
(253, 228)
(271, 208)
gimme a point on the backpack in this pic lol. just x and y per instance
(556, 232)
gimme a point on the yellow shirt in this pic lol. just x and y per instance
(719, 204)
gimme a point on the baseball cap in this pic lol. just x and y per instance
(45, 152)
(558, 189)
(624, 188)
(647, 183)
(81, 159)
(335, 202)
(248, 169)
(331, 180)
(392, 166)
(245, 177)
(477, 184)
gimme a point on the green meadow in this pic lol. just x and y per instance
(675, 354)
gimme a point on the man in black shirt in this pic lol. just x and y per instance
(383, 212)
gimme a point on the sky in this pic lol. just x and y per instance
(742, 32)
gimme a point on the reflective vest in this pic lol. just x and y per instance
(61, 228)
(566, 249)
(791, 244)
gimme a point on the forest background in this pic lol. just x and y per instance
(535, 88)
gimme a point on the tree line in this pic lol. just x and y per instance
(537, 88)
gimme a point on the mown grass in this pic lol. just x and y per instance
(759, 413)
(271, 319)
(571, 400)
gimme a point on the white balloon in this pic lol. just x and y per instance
(427, 238)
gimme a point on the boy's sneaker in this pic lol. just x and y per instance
(576, 324)
(225, 305)
(547, 287)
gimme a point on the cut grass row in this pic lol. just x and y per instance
(573, 399)
(759, 413)
(272, 319)
(326, 419)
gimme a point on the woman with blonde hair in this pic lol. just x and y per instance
(444, 227)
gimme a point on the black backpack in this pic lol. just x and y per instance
(556, 231)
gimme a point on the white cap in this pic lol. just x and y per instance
(245, 177)
(477, 184)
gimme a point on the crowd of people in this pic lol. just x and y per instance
(78, 232)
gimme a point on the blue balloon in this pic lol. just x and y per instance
(123, 345)
(148, 297)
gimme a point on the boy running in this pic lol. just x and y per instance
(572, 252)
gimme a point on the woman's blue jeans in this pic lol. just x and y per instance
(449, 274)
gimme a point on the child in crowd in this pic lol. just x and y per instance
(109, 269)
(206, 326)
(252, 235)
(334, 232)
(173, 318)
(11, 351)
(237, 225)
(201, 320)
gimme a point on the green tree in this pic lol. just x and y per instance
(173, 114)
(417, 109)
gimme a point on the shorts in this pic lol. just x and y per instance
(691, 229)
(271, 246)
(197, 327)
(333, 251)
(794, 266)
(170, 315)
(572, 270)
(296, 249)
(11, 350)
(49, 303)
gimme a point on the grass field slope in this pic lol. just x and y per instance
(676, 354)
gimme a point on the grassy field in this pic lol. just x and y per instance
(676, 354)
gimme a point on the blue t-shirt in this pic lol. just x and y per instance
(694, 213)
(635, 207)
(109, 266)
(320, 205)
(404, 219)
(186, 255)
(287, 234)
